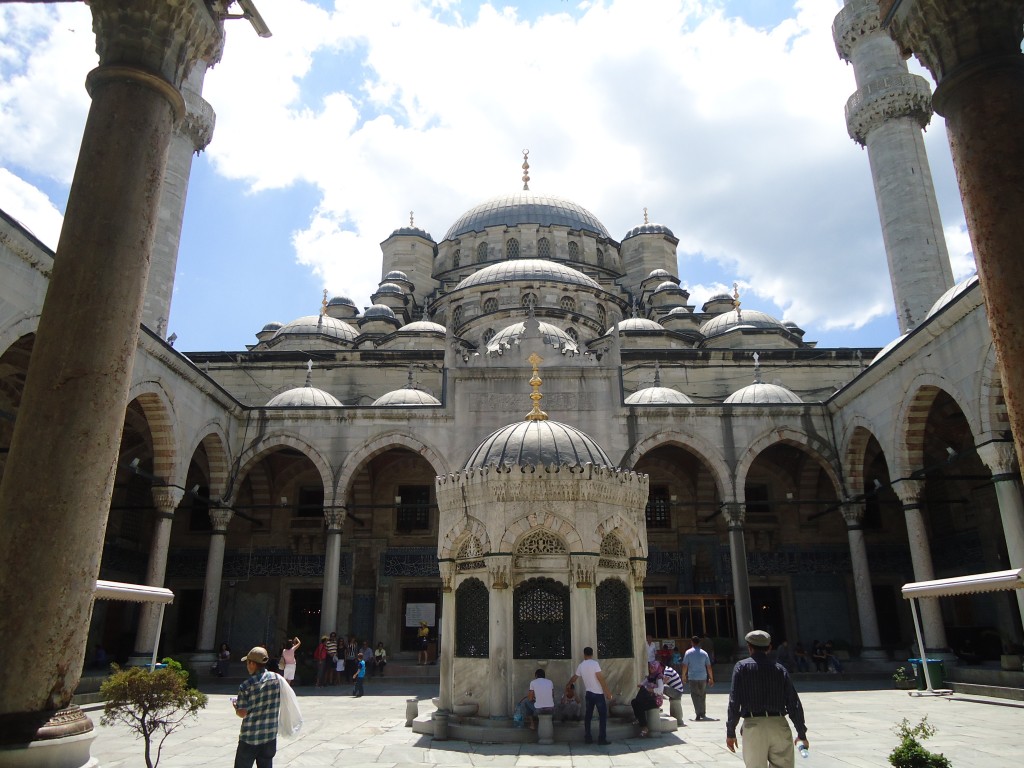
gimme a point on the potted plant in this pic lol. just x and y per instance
(901, 680)
(909, 753)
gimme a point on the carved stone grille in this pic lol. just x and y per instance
(613, 553)
(470, 556)
(472, 619)
(574, 249)
(541, 628)
(488, 335)
(568, 303)
(614, 625)
(602, 317)
(481, 253)
(457, 258)
(512, 249)
(490, 305)
(539, 542)
(543, 248)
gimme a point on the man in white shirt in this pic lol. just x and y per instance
(598, 696)
(652, 649)
(540, 698)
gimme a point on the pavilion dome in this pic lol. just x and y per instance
(423, 326)
(341, 301)
(538, 443)
(396, 274)
(379, 310)
(307, 396)
(526, 208)
(318, 325)
(747, 318)
(760, 393)
(390, 288)
(658, 396)
(888, 348)
(407, 396)
(528, 269)
(553, 336)
(648, 229)
(668, 285)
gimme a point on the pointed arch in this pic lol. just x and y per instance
(159, 412)
(380, 444)
(913, 416)
(286, 440)
(814, 447)
(698, 446)
(463, 529)
(544, 521)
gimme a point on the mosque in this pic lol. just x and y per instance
(706, 469)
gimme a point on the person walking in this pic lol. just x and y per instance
(359, 676)
(762, 695)
(597, 696)
(259, 705)
(700, 674)
(332, 658)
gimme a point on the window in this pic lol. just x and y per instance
(574, 249)
(757, 500)
(456, 258)
(568, 303)
(600, 257)
(529, 300)
(311, 501)
(481, 253)
(602, 317)
(413, 508)
(543, 248)
(512, 248)
(540, 617)
(472, 619)
(457, 316)
(573, 334)
(614, 625)
(659, 508)
(488, 335)
(490, 305)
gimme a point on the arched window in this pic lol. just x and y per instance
(456, 258)
(529, 300)
(490, 305)
(540, 623)
(572, 333)
(543, 248)
(457, 317)
(488, 335)
(574, 249)
(614, 623)
(568, 303)
(472, 619)
(481, 253)
(600, 257)
(512, 248)
(602, 317)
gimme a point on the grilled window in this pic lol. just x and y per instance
(659, 508)
(472, 619)
(541, 628)
(512, 248)
(543, 248)
(481, 253)
(614, 625)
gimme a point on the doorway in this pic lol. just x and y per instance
(768, 614)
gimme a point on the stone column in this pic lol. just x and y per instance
(499, 567)
(637, 576)
(334, 519)
(909, 492)
(446, 650)
(735, 514)
(166, 499)
(57, 483)
(999, 458)
(214, 574)
(853, 514)
(583, 602)
(973, 52)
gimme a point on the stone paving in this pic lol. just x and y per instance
(850, 724)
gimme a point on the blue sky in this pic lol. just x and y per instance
(725, 119)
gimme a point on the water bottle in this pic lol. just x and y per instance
(801, 747)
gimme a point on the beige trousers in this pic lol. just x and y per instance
(767, 741)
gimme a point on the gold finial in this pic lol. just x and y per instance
(535, 381)
(323, 304)
(526, 169)
(411, 224)
(645, 216)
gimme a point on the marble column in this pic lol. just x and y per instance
(973, 52)
(870, 641)
(583, 602)
(166, 499)
(999, 458)
(446, 649)
(637, 576)
(214, 575)
(735, 514)
(57, 484)
(334, 519)
(499, 570)
(909, 492)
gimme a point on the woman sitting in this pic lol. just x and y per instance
(648, 696)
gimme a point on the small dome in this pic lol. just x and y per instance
(396, 274)
(275, 326)
(761, 394)
(553, 336)
(679, 311)
(379, 310)
(407, 396)
(668, 285)
(639, 324)
(538, 443)
(527, 269)
(748, 318)
(526, 208)
(951, 295)
(888, 348)
(423, 326)
(318, 325)
(341, 301)
(411, 232)
(658, 396)
(660, 274)
(720, 297)
(390, 288)
(648, 229)
(307, 396)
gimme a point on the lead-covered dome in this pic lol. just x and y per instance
(423, 326)
(379, 310)
(318, 325)
(526, 208)
(538, 443)
(528, 269)
(639, 324)
(760, 393)
(950, 296)
(405, 397)
(307, 396)
(648, 229)
(658, 396)
(747, 318)
(553, 336)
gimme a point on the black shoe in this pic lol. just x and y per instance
(604, 742)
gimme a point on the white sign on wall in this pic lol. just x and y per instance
(417, 612)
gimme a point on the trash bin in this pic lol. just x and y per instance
(936, 672)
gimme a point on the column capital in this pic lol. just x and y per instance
(853, 514)
(220, 517)
(735, 513)
(447, 569)
(909, 491)
(334, 519)
(1000, 458)
(166, 499)
(638, 572)
(499, 566)
(584, 568)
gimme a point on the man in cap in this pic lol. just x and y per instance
(763, 694)
(259, 706)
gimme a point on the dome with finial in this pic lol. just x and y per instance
(409, 395)
(760, 393)
(552, 335)
(389, 288)
(318, 325)
(341, 301)
(658, 395)
(379, 310)
(639, 324)
(527, 270)
(648, 228)
(746, 318)
(412, 230)
(306, 396)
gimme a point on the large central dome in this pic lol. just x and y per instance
(526, 208)
(529, 270)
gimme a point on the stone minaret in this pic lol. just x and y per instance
(886, 115)
(192, 135)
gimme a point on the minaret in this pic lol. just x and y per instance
(192, 135)
(887, 114)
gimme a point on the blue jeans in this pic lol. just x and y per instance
(357, 689)
(596, 700)
(261, 754)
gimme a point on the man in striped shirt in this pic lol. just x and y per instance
(259, 706)
(763, 694)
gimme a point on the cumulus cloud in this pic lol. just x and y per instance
(31, 208)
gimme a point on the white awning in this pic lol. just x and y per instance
(133, 593)
(966, 585)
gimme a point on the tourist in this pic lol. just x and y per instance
(291, 645)
(380, 659)
(673, 687)
(569, 707)
(423, 642)
(351, 650)
(320, 657)
(831, 660)
(597, 696)
(652, 649)
(359, 676)
(540, 699)
(259, 705)
(332, 658)
(818, 656)
(665, 655)
(763, 694)
(700, 674)
(784, 655)
(648, 696)
(803, 662)
(223, 660)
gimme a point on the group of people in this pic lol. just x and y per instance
(822, 656)
(695, 667)
(340, 659)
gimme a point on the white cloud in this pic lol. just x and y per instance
(30, 207)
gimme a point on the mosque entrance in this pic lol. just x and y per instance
(420, 604)
(766, 607)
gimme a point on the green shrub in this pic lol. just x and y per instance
(909, 753)
(152, 704)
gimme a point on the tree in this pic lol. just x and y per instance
(152, 704)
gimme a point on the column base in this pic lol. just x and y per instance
(62, 741)
(874, 654)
